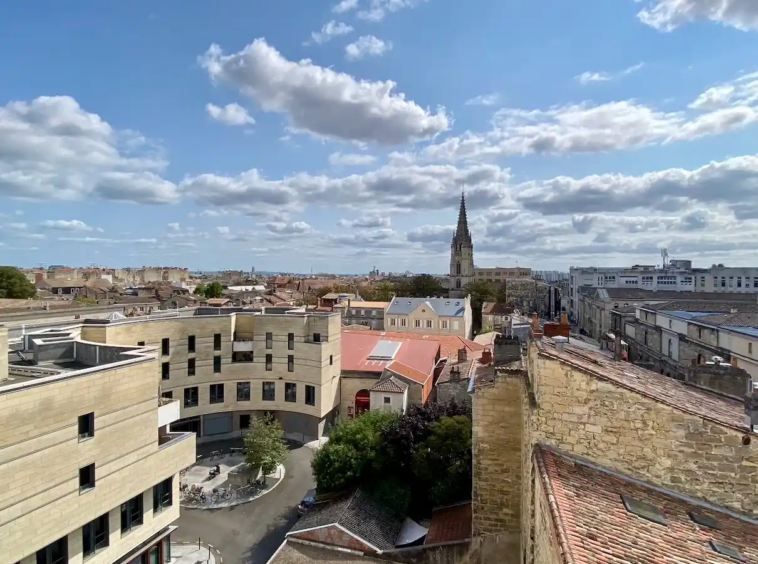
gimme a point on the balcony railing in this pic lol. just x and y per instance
(168, 439)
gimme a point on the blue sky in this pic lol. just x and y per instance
(186, 133)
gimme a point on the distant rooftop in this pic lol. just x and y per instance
(444, 307)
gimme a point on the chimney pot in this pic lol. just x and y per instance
(560, 342)
(486, 357)
(462, 354)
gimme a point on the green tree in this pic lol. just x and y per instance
(384, 292)
(351, 455)
(501, 293)
(200, 289)
(213, 290)
(367, 292)
(425, 286)
(14, 285)
(480, 291)
(443, 460)
(266, 448)
(83, 300)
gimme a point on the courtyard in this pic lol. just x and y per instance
(251, 532)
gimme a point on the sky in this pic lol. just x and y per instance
(338, 135)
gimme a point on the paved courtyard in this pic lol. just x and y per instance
(251, 533)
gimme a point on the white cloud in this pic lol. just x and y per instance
(53, 150)
(345, 6)
(340, 159)
(281, 228)
(64, 225)
(588, 77)
(329, 31)
(484, 100)
(366, 46)
(231, 114)
(743, 91)
(173, 227)
(667, 15)
(106, 241)
(432, 234)
(223, 230)
(368, 222)
(378, 9)
(322, 101)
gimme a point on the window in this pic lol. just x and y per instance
(750, 348)
(455, 325)
(444, 323)
(671, 349)
(244, 422)
(87, 478)
(417, 323)
(269, 362)
(699, 333)
(290, 363)
(317, 337)
(429, 323)
(95, 535)
(739, 281)
(331, 360)
(217, 393)
(54, 553)
(392, 321)
(291, 341)
(163, 494)
(217, 365)
(191, 344)
(86, 426)
(269, 340)
(403, 322)
(290, 392)
(387, 400)
(165, 367)
(190, 367)
(217, 341)
(165, 346)
(269, 391)
(243, 391)
(190, 397)
(167, 395)
(131, 513)
(140, 343)
(310, 395)
(644, 510)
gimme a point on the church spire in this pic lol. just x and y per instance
(462, 233)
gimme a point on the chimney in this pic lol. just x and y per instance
(617, 346)
(751, 408)
(564, 318)
(455, 374)
(560, 343)
(734, 362)
(462, 354)
(536, 329)
(486, 357)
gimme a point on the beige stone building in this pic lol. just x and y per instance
(89, 468)
(500, 274)
(582, 458)
(226, 365)
(430, 316)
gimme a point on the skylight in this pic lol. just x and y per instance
(384, 350)
(726, 550)
(704, 520)
(644, 510)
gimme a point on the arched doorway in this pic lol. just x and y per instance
(362, 402)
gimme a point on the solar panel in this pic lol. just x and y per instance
(726, 550)
(704, 520)
(384, 350)
(643, 510)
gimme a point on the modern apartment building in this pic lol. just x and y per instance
(89, 467)
(432, 316)
(678, 276)
(225, 365)
(500, 274)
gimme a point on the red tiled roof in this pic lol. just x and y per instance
(449, 344)
(410, 373)
(357, 346)
(674, 393)
(450, 523)
(593, 524)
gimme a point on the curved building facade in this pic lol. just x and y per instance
(226, 365)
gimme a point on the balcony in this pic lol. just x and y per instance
(167, 440)
(168, 411)
(243, 341)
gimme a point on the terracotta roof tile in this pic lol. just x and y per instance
(408, 372)
(356, 346)
(594, 525)
(390, 384)
(678, 395)
(449, 344)
(449, 524)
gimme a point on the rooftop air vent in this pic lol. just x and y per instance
(644, 510)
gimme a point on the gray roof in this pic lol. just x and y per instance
(358, 514)
(444, 307)
(704, 306)
(660, 295)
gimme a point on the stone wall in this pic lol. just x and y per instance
(453, 390)
(722, 378)
(638, 436)
(546, 547)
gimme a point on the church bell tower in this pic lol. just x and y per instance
(461, 255)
